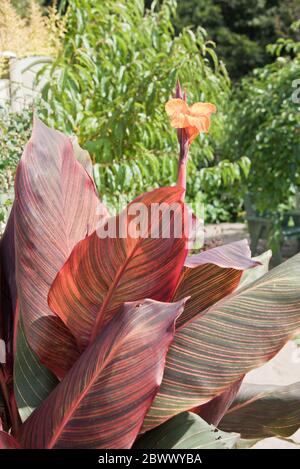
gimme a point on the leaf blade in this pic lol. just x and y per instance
(33, 382)
(104, 272)
(7, 441)
(102, 401)
(55, 207)
(186, 431)
(211, 275)
(262, 411)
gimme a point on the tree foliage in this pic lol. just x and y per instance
(109, 85)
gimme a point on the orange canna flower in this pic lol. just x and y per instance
(194, 119)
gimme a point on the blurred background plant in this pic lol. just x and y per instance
(33, 33)
(116, 64)
(263, 124)
(109, 85)
(241, 28)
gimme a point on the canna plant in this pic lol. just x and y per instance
(114, 337)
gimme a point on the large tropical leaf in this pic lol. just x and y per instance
(261, 411)
(213, 411)
(186, 431)
(83, 157)
(211, 275)
(104, 272)
(239, 333)
(55, 207)
(102, 401)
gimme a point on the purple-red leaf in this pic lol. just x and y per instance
(236, 255)
(55, 208)
(102, 273)
(102, 401)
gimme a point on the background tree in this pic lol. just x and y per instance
(263, 124)
(241, 28)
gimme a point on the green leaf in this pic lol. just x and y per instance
(32, 381)
(261, 411)
(83, 157)
(186, 431)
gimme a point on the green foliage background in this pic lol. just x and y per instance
(263, 124)
(241, 28)
(118, 68)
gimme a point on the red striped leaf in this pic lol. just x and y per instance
(55, 207)
(237, 334)
(83, 157)
(102, 401)
(211, 275)
(102, 273)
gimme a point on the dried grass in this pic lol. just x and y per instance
(36, 34)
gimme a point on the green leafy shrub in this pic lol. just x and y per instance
(33, 34)
(263, 124)
(109, 86)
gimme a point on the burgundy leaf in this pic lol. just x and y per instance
(55, 207)
(104, 272)
(102, 401)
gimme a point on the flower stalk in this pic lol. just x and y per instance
(189, 122)
(183, 145)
